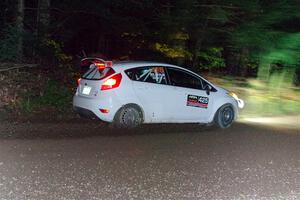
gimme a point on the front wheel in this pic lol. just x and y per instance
(128, 117)
(224, 116)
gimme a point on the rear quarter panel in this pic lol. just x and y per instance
(127, 95)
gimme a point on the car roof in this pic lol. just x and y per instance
(123, 65)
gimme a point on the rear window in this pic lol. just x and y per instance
(94, 73)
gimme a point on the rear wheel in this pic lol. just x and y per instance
(224, 116)
(128, 117)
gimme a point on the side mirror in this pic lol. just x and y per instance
(208, 88)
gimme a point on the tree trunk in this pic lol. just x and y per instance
(43, 18)
(244, 56)
(3, 13)
(19, 23)
(198, 39)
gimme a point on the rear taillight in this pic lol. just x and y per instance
(112, 82)
(103, 110)
(78, 81)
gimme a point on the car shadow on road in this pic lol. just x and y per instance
(89, 128)
(73, 130)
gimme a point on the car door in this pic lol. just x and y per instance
(151, 88)
(191, 102)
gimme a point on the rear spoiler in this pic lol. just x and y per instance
(98, 62)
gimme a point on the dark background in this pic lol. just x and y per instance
(231, 36)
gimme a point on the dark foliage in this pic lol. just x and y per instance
(227, 36)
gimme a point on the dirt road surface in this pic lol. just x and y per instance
(88, 160)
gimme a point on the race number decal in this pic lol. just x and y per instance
(197, 101)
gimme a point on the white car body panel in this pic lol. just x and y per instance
(159, 103)
(189, 113)
(152, 98)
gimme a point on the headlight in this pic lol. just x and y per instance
(240, 102)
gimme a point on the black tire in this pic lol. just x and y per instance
(129, 116)
(224, 116)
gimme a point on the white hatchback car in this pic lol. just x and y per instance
(131, 93)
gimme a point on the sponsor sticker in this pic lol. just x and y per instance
(197, 101)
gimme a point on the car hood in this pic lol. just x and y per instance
(221, 90)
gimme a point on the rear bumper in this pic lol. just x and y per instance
(90, 107)
(85, 112)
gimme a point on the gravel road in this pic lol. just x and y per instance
(88, 160)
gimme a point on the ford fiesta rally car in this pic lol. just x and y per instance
(131, 93)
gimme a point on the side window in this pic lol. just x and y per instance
(184, 79)
(148, 74)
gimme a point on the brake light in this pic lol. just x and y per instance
(98, 62)
(112, 82)
(100, 65)
(78, 81)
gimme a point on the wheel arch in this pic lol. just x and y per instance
(222, 102)
(139, 108)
